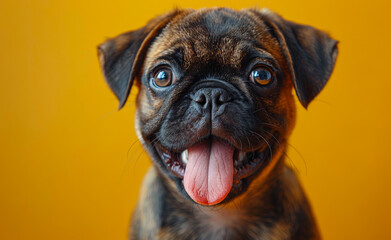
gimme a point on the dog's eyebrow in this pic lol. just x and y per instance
(257, 52)
(251, 53)
(173, 55)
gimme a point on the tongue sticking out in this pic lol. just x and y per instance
(209, 172)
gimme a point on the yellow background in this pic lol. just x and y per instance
(68, 169)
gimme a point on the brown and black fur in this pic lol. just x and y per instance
(218, 45)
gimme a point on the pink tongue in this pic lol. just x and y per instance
(209, 172)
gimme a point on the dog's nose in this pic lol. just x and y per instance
(211, 100)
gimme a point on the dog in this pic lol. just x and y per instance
(214, 111)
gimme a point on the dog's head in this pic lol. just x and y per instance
(215, 103)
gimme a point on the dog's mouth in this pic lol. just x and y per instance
(210, 168)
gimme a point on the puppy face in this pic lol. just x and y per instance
(215, 101)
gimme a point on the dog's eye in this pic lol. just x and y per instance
(261, 75)
(163, 77)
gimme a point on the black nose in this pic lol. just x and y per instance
(211, 100)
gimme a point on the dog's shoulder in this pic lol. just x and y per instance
(147, 217)
(302, 221)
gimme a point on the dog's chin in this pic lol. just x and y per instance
(246, 165)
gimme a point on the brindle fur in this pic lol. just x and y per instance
(217, 44)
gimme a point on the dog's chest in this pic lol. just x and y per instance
(204, 223)
(215, 220)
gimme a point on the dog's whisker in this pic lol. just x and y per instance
(107, 114)
(255, 135)
(137, 159)
(291, 162)
(276, 140)
(258, 110)
(284, 151)
(128, 158)
(241, 144)
(154, 140)
(300, 155)
(269, 124)
(249, 143)
(264, 139)
(131, 146)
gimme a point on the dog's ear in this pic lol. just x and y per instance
(310, 53)
(122, 57)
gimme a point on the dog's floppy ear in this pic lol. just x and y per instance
(122, 57)
(311, 54)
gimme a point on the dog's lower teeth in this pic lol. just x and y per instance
(184, 155)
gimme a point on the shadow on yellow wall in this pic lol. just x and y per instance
(70, 164)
